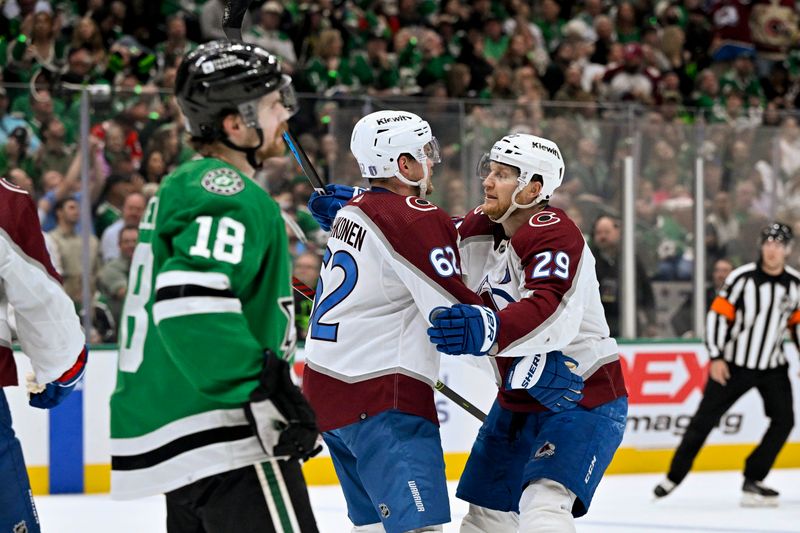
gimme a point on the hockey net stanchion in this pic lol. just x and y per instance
(451, 395)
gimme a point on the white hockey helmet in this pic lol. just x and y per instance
(380, 138)
(531, 156)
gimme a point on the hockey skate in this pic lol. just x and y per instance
(665, 487)
(755, 494)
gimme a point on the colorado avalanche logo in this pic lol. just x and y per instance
(544, 218)
(419, 204)
(548, 449)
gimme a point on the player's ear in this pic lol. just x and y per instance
(232, 124)
(530, 192)
(402, 163)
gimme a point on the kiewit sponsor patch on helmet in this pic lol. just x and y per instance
(546, 148)
(223, 181)
(386, 120)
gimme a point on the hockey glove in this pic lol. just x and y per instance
(280, 415)
(51, 394)
(463, 329)
(324, 207)
(548, 378)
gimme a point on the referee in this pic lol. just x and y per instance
(744, 336)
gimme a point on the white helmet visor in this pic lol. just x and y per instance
(432, 151)
(485, 166)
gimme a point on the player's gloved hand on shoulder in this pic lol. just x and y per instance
(51, 394)
(323, 207)
(549, 379)
(280, 415)
(463, 329)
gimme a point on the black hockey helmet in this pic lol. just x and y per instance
(224, 76)
(777, 231)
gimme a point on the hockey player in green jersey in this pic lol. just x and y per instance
(204, 410)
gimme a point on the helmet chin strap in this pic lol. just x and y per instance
(249, 152)
(422, 184)
(514, 205)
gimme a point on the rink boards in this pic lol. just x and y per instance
(68, 450)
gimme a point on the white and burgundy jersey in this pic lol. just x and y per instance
(47, 326)
(390, 260)
(543, 283)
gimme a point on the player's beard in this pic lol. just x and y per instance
(272, 147)
(431, 187)
(496, 207)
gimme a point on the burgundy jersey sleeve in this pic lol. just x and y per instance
(550, 248)
(20, 221)
(422, 237)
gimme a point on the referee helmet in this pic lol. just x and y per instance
(777, 231)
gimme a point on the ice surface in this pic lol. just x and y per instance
(705, 502)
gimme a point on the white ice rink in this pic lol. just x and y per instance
(705, 502)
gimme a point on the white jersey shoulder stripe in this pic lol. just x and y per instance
(11, 187)
(194, 305)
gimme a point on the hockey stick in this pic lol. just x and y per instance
(232, 18)
(305, 164)
(452, 395)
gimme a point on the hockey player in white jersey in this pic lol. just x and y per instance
(49, 332)
(392, 257)
(546, 432)
(544, 446)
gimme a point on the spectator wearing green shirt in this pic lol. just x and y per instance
(37, 46)
(741, 78)
(435, 60)
(116, 189)
(551, 24)
(329, 70)
(177, 44)
(495, 42)
(267, 33)
(706, 96)
(375, 67)
(15, 153)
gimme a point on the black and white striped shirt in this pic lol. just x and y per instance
(749, 317)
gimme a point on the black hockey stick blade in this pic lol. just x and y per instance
(232, 18)
(449, 393)
(305, 164)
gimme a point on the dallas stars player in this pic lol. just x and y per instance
(204, 409)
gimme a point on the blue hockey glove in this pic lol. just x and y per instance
(463, 329)
(548, 378)
(324, 207)
(49, 395)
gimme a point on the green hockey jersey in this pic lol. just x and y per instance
(209, 291)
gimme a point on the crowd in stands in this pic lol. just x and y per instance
(712, 79)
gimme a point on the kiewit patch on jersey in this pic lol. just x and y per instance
(223, 181)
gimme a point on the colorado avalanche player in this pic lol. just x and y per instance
(392, 257)
(49, 333)
(544, 447)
